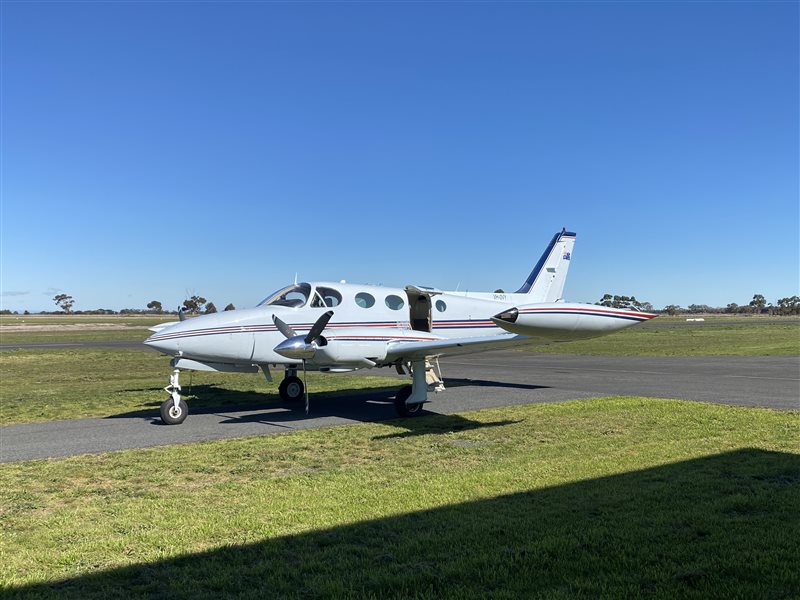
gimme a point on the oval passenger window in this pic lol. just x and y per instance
(394, 302)
(365, 300)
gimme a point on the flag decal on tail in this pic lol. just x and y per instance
(566, 255)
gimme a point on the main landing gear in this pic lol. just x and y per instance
(410, 398)
(291, 389)
(174, 410)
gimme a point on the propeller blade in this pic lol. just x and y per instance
(317, 328)
(287, 331)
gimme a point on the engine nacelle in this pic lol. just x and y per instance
(363, 346)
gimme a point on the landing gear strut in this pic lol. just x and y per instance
(410, 398)
(291, 389)
(174, 410)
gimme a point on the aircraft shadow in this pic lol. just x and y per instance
(365, 406)
(717, 526)
(360, 404)
(456, 382)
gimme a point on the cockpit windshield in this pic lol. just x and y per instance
(293, 295)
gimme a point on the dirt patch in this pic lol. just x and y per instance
(65, 327)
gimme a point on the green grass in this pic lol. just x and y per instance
(615, 497)
(61, 337)
(78, 328)
(735, 339)
(131, 320)
(49, 384)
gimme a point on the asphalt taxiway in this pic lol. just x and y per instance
(493, 379)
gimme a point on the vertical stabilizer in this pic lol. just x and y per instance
(546, 281)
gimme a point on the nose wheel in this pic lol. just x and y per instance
(172, 414)
(174, 410)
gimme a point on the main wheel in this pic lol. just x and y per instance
(291, 389)
(172, 415)
(403, 409)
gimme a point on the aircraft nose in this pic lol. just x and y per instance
(163, 344)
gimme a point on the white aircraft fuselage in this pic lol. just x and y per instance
(332, 326)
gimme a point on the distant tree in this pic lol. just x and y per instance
(210, 308)
(499, 291)
(647, 306)
(194, 304)
(64, 302)
(606, 300)
(26, 312)
(699, 308)
(732, 308)
(230, 307)
(155, 306)
(617, 301)
(789, 305)
(758, 303)
(672, 309)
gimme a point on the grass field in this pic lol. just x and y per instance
(665, 336)
(614, 497)
(35, 329)
(50, 384)
(722, 338)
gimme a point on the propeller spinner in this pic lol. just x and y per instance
(301, 347)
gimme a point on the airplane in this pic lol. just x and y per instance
(340, 327)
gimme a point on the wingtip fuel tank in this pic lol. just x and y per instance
(563, 321)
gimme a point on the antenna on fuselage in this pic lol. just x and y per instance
(295, 277)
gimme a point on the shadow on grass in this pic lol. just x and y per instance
(721, 526)
(360, 404)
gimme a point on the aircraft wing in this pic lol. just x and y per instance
(409, 351)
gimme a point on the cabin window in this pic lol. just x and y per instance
(365, 300)
(327, 297)
(293, 295)
(394, 302)
(441, 306)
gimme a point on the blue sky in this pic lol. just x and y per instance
(155, 149)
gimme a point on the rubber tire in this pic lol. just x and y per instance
(403, 409)
(291, 389)
(172, 417)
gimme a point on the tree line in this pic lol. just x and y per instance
(757, 306)
(199, 305)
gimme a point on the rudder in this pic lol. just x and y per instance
(546, 281)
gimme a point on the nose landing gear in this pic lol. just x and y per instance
(174, 410)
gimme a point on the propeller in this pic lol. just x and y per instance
(316, 328)
(301, 347)
(287, 331)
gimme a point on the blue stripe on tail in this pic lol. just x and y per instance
(526, 287)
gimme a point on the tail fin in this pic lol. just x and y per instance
(546, 281)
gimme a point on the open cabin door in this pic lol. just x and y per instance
(419, 307)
